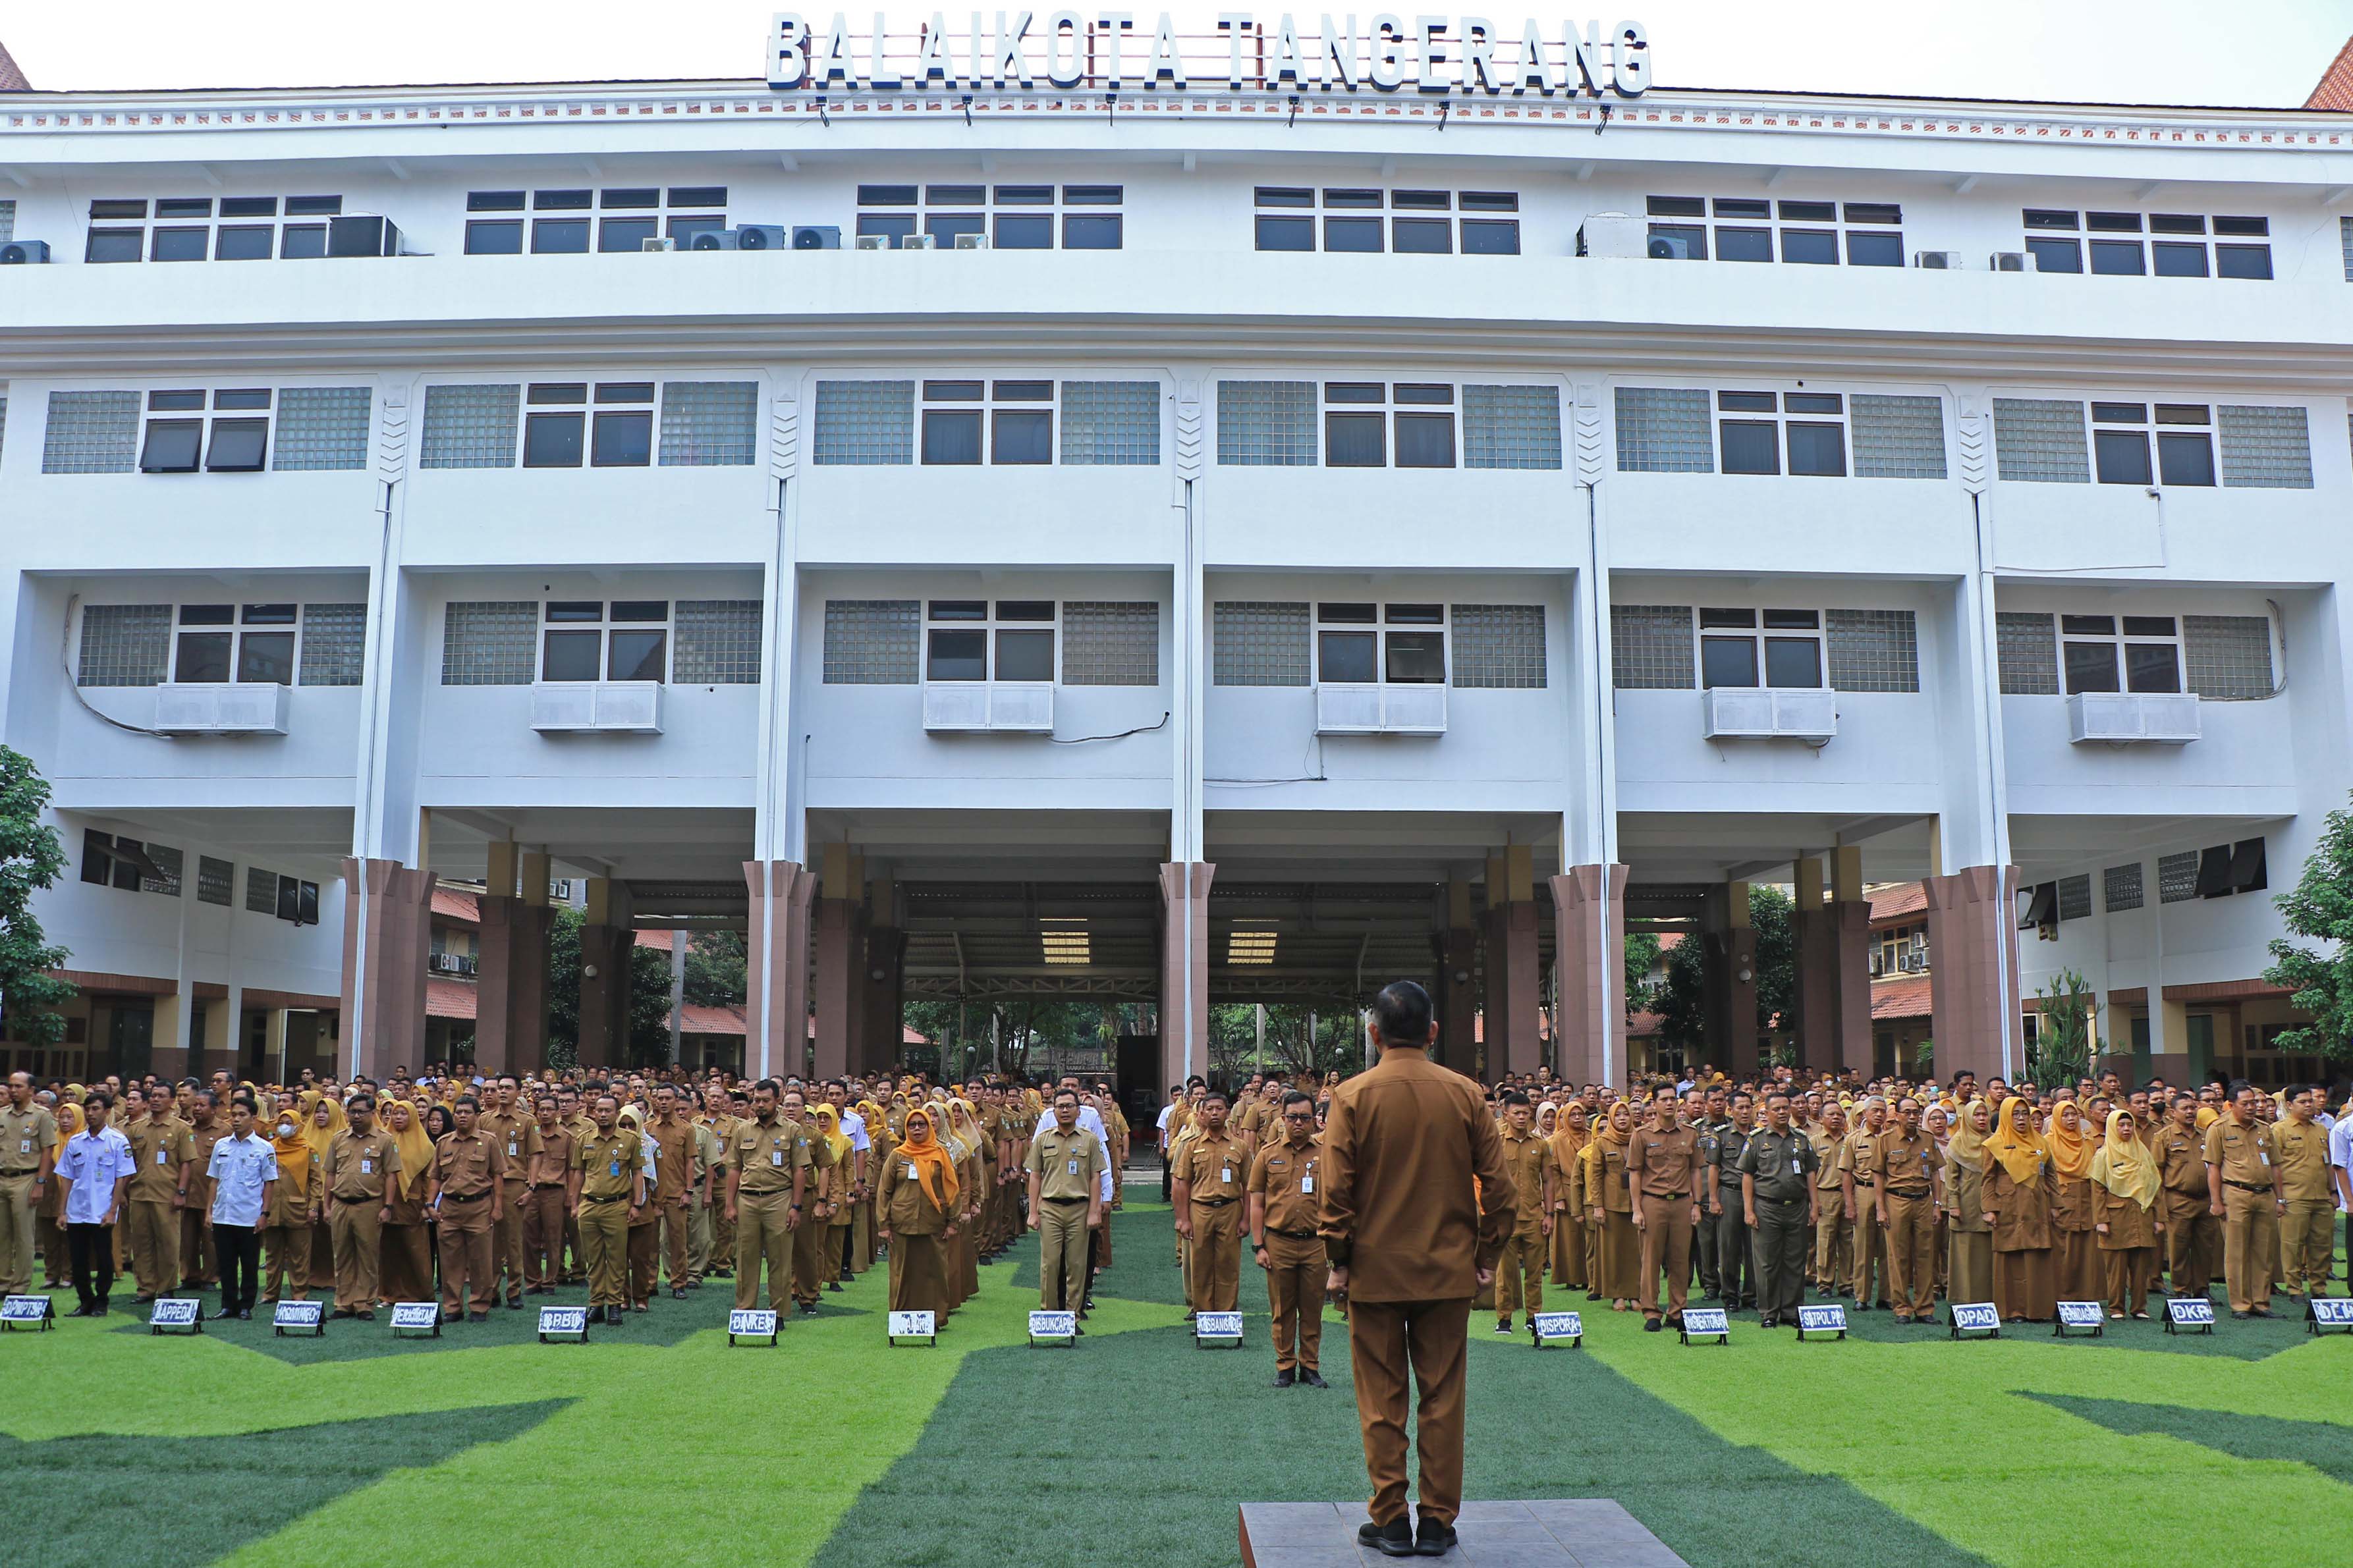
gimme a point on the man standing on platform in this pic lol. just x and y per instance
(1410, 1247)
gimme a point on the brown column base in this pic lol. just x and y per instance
(384, 972)
(1589, 953)
(777, 968)
(1973, 941)
(1185, 900)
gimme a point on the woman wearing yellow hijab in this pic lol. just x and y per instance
(1609, 1209)
(2075, 1257)
(293, 1204)
(878, 1149)
(1968, 1237)
(48, 1216)
(1570, 1137)
(326, 1120)
(2021, 1198)
(406, 1270)
(917, 1204)
(2125, 1177)
(838, 1184)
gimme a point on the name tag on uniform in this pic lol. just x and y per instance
(162, 1156)
(615, 1167)
(2266, 1159)
(1074, 1167)
(24, 1146)
(776, 1156)
(1227, 1175)
(367, 1167)
(1306, 1185)
(1796, 1167)
(512, 1149)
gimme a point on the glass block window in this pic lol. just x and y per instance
(321, 427)
(2040, 440)
(2345, 243)
(1511, 428)
(215, 882)
(1896, 438)
(2075, 898)
(1650, 647)
(125, 645)
(1664, 430)
(168, 864)
(709, 424)
(1499, 644)
(864, 423)
(1114, 424)
(1106, 643)
(1874, 650)
(9, 229)
(334, 642)
(260, 891)
(2120, 888)
(469, 427)
(2229, 656)
(92, 433)
(2177, 877)
(1256, 643)
(4, 421)
(715, 642)
(872, 642)
(490, 643)
(2027, 653)
(2264, 449)
(1267, 424)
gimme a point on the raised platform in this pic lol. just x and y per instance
(1571, 1532)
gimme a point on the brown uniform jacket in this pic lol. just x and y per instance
(552, 1163)
(1664, 1165)
(1285, 1178)
(1402, 1148)
(160, 1146)
(673, 1156)
(2244, 1154)
(1213, 1166)
(2181, 1168)
(2301, 1150)
(1528, 1158)
(1905, 1164)
(518, 1140)
(906, 1203)
(466, 1163)
(357, 1167)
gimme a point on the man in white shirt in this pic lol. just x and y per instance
(91, 1173)
(243, 1165)
(2340, 1172)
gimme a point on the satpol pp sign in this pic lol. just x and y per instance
(1825, 1319)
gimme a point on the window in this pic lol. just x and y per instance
(1753, 439)
(1389, 645)
(286, 898)
(864, 423)
(975, 639)
(1111, 423)
(2264, 449)
(1511, 428)
(92, 433)
(1360, 417)
(1897, 437)
(469, 427)
(709, 424)
(2228, 658)
(334, 644)
(718, 642)
(1262, 424)
(1111, 643)
(252, 644)
(236, 442)
(1750, 229)
(321, 428)
(2120, 888)
(872, 642)
(589, 639)
(2120, 652)
(1650, 647)
(2185, 443)
(559, 426)
(127, 864)
(184, 229)
(573, 222)
(1899, 949)
(1417, 222)
(2133, 245)
(124, 645)
(1014, 218)
(1498, 646)
(1663, 430)
(1781, 648)
(999, 422)
(2026, 653)
(2228, 869)
(1873, 651)
(2041, 441)
(215, 882)
(1260, 643)
(490, 643)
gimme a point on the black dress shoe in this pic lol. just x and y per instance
(1649, 1325)
(1394, 1539)
(1284, 1377)
(244, 1315)
(1431, 1538)
(224, 1312)
(83, 1312)
(141, 1301)
(678, 1292)
(832, 1285)
(342, 1313)
(365, 1314)
(1310, 1378)
(478, 1316)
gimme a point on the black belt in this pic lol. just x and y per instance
(1666, 1198)
(27, 1170)
(464, 1197)
(545, 1187)
(1069, 1200)
(1298, 1235)
(2244, 1186)
(1213, 1203)
(1763, 1199)
(616, 1199)
(1900, 1192)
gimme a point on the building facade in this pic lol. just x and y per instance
(1449, 525)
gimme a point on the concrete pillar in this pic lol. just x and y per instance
(840, 936)
(386, 936)
(273, 1047)
(510, 985)
(1728, 980)
(1973, 971)
(1185, 968)
(777, 968)
(1514, 1034)
(1457, 949)
(606, 947)
(1589, 947)
(1851, 917)
(881, 1018)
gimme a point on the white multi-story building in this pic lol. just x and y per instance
(1285, 535)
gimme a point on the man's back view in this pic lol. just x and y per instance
(1409, 1247)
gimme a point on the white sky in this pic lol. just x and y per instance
(2210, 52)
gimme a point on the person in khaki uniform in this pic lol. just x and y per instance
(468, 1197)
(518, 1139)
(547, 1200)
(1662, 1168)
(1283, 1212)
(1859, 1178)
(809, 1230)
(1066, 1164)
(582, 1126)
(2307, 1196)
(28, 1158)
(207, 1125)
(167, 1155)
(1519, 1272)
(292, 1208)
(1907, 1174)
(1777, 1189)
(1968, 1234)
(2243, 1177)
(702, 1203)
(767, 1172)
(1407, 1144)
(605, 1186)
(2124, 1187)
(673, 1132)
(1210, 1179)
(362, 1165)
(919, 1200)
(2194, 1235)
(1833, 1260)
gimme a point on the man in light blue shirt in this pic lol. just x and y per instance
(2341, 1175)
(91, 1172)
(243, 1165)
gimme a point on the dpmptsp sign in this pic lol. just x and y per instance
(417, 1317)
(568, 1321)
(2189, 1312)
(176, 1314)
(1046, 1328)
(1705, 1321)
(751, 1323)
(299, 1318)
(1221, 1326)
(913, 1326)
(22, 1311)
(1976, 1317)
(2085, 1315)
(1550, 1328)
(1830, 1319)
(2323, 1314)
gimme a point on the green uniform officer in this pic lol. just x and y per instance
(1777, 1167)
(607, 1189)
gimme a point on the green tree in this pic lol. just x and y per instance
(649, 995)
(716, 969)
(2060, 1051)
(2320, 983)
(30, 859)
(1681, 998)
(1642, 956)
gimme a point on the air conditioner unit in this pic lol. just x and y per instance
(657, 243)
(597, 708)
(1915, 963)
(1667, 247)
(817, 236)
(972, 242)
(1937, 261)
(1613, 236)
(221, 708)
(744, 237)
(2130, 718)
(918, 242)
(1771, 713)
(1349, 708)
(2014, 261)
(873, 242)
(362, 233)
(989, 707)
(19, 252)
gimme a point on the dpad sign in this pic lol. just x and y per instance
(751, 1323)
(2322, 1314)
(1548, 1327)
(2189, 1312)
(417, 1317)
(1704, 1321)
(913, 1326)
(573, 1320)
(176, 1313)
(1208, 1326)
(16, 1312)
(1976, 1317)
(300, 1317)
(1819, 1320)
(2080, 1315)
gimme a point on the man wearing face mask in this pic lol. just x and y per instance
(362, 1161)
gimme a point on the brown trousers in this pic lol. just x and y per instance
(808, 1257)
(1214, 1283)
(286, 1266)
(199, 1264)
(2249, 1241)
(674, 1221)
(1062, 1257)
(2306, 1249)
(644, 1236)
(468, 1271)
(506, 1242)
(1911, 1238)
(542, 1236)
(919, 1280)
(2192, 1238)
(357, 1247)
(1295, 1271)
(154, 1233)
(1519, 1274)
(404, 1270)
(1384, 1338)
(1666, 1245)
(1869, 1249)
(1833, 1242)
(760, 1234)
(2127, 1271)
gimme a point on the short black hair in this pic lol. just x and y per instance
(1069, 1094)
(771, 1084)
(362, 1102)
(468, 1099)
(99, 1098)
(1295, 1098)
(1402, 1012)
(1217, 1094)
(2238, 1086)
(1514, 1097)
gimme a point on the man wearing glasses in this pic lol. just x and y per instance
(1283, 1219)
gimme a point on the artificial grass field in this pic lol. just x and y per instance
(659, 1443)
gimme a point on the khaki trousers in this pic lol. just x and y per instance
(808, 1257)
(2127, 1271)
(199, 1265)
(675, 1223)
(1833, 1242)
(469, 1274)
(15, 1233)
(698, 1237)
(1295, 1272)
(2250, 1240)
(723, 1236)
(605, 1249)
(1666, 1245)
(1911, 1238)
(2307, 1245)
(506, 1242)
(1062, 1257)
(1519, 1274)
(286, 1266)
(358, 1237)
(2192, 1235)
(761, 1233)
(644, 1259)
(155, 1229)
(1870, 1250)
(1214, 1282)
(1386, 1339)
(405, 1263)
(542, 1236)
